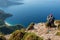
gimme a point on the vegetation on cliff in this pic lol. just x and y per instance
(22, 35)
(17, 35)
(31, 36)
(58, 33)
(2, 37)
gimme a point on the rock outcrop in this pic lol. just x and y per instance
(30, 27)
(41, 30)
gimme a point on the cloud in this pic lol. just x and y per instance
(6, 3)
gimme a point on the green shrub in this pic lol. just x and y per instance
(31, 36)
(22, 35)
(58, 33)
(17, 27)
(59, 27)
(1, 33)
(2, 37)
(17, 35)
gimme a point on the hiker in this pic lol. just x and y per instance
(50, 20)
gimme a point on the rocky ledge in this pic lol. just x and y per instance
(41, 30)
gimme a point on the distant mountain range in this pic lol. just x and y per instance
(4, 28)
(6, 3)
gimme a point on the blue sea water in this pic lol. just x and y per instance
(33, 11)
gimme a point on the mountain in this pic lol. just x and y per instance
(4, 28)
(3, 16)
(6, 3)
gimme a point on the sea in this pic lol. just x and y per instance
(32, 11)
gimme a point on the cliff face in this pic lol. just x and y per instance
(3, 16)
